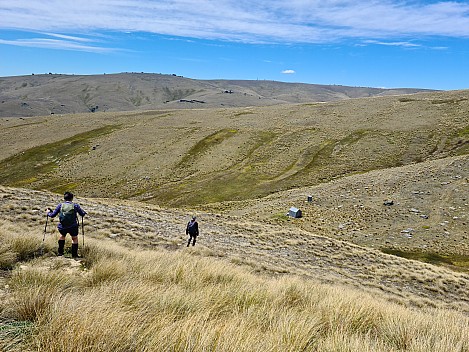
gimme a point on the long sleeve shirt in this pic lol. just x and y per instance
(192, 228)
(78, 210)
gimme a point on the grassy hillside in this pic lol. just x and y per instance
(272, 249)
(194, 157)
(378, 262)
(351, 156)
(428, 215)
(65, 94)
(129, 298)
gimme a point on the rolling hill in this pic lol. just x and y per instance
(64, 94)
(351, 155)
(387, 225)
(195, 157)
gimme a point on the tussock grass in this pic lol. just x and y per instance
(125, 300)
(265, 249)
(16, 246)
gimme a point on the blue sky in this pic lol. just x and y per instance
(389, 43)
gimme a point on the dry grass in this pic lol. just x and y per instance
(318, 289)
(429, 198)
(195, 157)
(123, 300)
(344, 154)
(267, 249)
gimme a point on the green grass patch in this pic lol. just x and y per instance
(319, 157)
(25, 167)
(312, 159)
(14, 333)
(57, 187)
(458, 143)
(457, 262)
(227, 185)
(241, 181)
(206, 143)
(280, 217)
(464, 132)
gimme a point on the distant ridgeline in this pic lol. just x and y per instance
(37, 95)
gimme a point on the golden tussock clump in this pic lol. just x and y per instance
(119, 299)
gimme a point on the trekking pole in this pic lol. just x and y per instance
(45, 232)
(83, 230)
(45, 229)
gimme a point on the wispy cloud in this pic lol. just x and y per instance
(401, 44)
(263, 21)
(69, 37)
(65, 42)
(288, 72)
(409, 45)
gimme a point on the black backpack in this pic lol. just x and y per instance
(193, 228)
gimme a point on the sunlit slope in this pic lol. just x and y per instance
(194, 157)
(123, 299)
(270, 249)
(37, 95)
(421, 209)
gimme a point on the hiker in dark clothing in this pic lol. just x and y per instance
(68, 223)
(192, 230)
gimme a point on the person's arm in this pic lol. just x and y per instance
(79, 210)
(196, 228)
(53, 214)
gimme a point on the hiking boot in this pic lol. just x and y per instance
(60, 250)
(74, 250)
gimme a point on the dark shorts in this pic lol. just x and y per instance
(73, 231)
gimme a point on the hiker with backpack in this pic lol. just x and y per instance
(68, 222)
(192, 230)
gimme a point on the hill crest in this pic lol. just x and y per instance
(24, 96)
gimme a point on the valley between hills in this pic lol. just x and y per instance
(388, 178)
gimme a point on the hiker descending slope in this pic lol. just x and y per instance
(68, 222)
(192, 230)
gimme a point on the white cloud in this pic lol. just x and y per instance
(288, 72)
(67, 43)
(263, 21)
(402, 44)
(69, 37)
